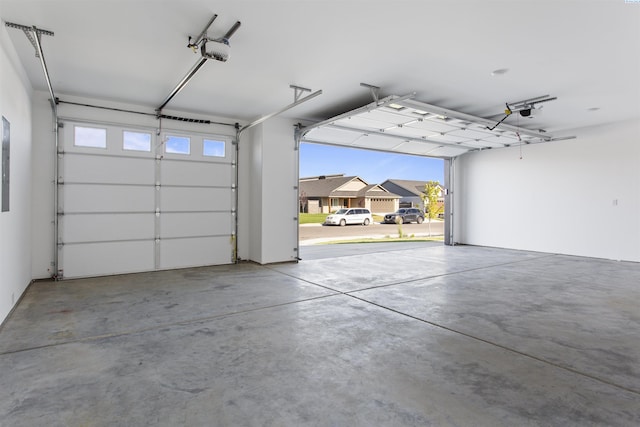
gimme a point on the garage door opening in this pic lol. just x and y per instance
(348, 180)
(401, 124)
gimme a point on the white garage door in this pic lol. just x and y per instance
(130, 200)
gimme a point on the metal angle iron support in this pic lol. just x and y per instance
(375, 91)
(28, 32)
(203, 34)
(298, 91)
(282, 110)
(232, 30)
(46, 74)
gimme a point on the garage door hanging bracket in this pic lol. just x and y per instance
(298, 91)
(33, 34)
(375, 91)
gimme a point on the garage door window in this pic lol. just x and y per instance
(213, 148)
(136, 141)
(90, 137)
(178, 144)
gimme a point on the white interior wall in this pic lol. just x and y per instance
(577, 197)
(15, 247)
(269, 215)
(43, 187)
(250, 195)
(279, 194)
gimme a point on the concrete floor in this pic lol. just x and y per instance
(398, 335)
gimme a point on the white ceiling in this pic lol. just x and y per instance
(586, 53)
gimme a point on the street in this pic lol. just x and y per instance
(312, 233)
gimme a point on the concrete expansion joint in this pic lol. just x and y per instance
(458, 332)
(161, 326)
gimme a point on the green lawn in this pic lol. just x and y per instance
(306, 218)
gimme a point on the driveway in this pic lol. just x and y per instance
(316, 233)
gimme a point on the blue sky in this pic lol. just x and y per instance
(373, 166)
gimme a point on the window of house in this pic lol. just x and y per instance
(213, 148)
(90, 137)
(136, 141)
(178, 144)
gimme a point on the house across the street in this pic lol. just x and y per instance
(410, 192)
(328, 193)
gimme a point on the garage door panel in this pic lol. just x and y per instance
(179, 199)
(106, 227)
(415, 147)
(448, 151)
(179, 253)
(392, 118)
(97, 259)
(378, 142)
(108, 170)
(195, 224)
(413, 132)
(333, 135)
(185, 173)
(108, 198)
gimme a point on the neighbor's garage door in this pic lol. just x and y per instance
(382, 205)
(129, 200)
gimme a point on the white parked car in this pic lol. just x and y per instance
(343, 217)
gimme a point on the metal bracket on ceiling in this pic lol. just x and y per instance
(298, 91)
(220, 46)
(30, 32)
(282, 110)
(375, 91)
(202, 36)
